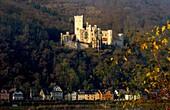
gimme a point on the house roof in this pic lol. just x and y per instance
(105, 90)
(74, 92)
(17, 92)
(4, 91)
(81, 92)
(85, 92)
(57, 88)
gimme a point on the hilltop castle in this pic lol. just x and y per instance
(90, 36)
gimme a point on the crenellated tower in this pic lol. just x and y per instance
(78, 25)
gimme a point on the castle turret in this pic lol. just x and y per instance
(78, 24)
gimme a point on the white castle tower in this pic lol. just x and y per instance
(110, 37)
(78, 24)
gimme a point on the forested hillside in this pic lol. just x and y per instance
(118, 15)
(17, 18)
(54, 16)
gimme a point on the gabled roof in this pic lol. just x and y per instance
(74, 92)
(81, 92)
(105, 90)
(4, 91)
(57, 89)
(17, 92)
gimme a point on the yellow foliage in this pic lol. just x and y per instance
(116, 62)
(154, 43)
(155, 77)
(157, 31)
(111, 59)
(149, 38)
(153, 37)
(166, 73)
(124, 105)
(146, 90)
(144, 46)
(165, 41)
(144, 82)
(129, 51)
(153, 84)
(163, 28)
(148, 74)
(151, 76)
(125, 58)
(155, 46)
(157, 69)
(168, 26)
(168, 58)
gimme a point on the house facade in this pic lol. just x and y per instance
(57, 93)
(106, 95)
(96, 95)
(81, 95)
(67, 97)
(45, 94)
(128, 97)
(89, 95)
(74, 96)
(17, 95)
(4, 95)
(119, 41)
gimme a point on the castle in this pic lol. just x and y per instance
(90, 36)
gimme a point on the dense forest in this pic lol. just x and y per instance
(31, 57)
(118, 15)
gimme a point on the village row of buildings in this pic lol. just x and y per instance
(56, 93)
(89, 36)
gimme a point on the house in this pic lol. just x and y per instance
(89, 95)
(136, 97)
(67, 97)
(120, 94)
(45, 94)
(128, 95)
(106, 95)
(4, 95)
(56, 93)
(92, 95)
(74, 96)
(17, 95)
(85, 95)
(119, 41)
(116, 94)
(81, 95)
(96, 95)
